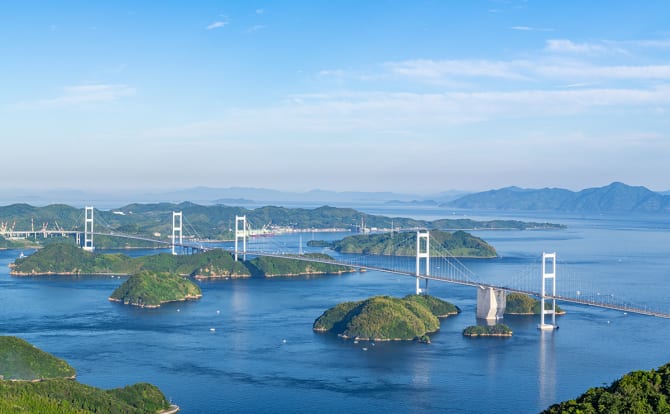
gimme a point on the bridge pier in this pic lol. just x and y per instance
(491, 303)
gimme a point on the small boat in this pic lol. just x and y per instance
(21, 256)
(212, 330)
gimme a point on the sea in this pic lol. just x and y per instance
(248, 346)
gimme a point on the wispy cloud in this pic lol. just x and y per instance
(260, 11)
(82, 96)
(256, 28)
(531, 29)
(568, 46)
(218, 24)
(435, 70)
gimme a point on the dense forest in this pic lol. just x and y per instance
(386, 318)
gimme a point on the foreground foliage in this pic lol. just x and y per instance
(385, 318)
(148, 289)
(635, 392)
(458, 244)
(37, 382)
(520, 304)
(19, 360)
(60, 396)
(496, 330)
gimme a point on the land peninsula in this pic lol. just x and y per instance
(151, 290)
(458, 244)
(67, 259)
(216, 222)
(383, 318)
(35, 381)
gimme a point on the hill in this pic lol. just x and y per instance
(383, 318)
(616, 197)
(37, 382)
(274, 266)
(150, 290)
(458, 244)
(19, 360)
(635, 392)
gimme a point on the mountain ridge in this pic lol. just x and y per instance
(615, 197)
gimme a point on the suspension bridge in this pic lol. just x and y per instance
(424, 267)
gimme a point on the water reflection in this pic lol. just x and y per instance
(547, 368)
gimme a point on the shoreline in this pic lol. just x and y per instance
(185, 299)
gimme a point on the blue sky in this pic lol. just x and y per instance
(402, 96)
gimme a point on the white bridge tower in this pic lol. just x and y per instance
(241, 233)
(548, 276)
(88, 229)
(422, 252)
(177, 235)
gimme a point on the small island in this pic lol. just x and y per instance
(383, 318)
(496, 330)
(150, 290)
(35, 381)
(520, 304)
(458, 244)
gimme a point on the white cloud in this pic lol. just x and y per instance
(216, 25)
(256, 28)
(260, 11)
(434, 70)
(83, 95)
(570, 47)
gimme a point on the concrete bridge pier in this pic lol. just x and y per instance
(491, 303)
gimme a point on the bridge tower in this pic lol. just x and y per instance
(548, 276)
(422, 252)
(176, 231)
(241, 233)
(88, 229)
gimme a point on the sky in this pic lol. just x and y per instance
(405, 96)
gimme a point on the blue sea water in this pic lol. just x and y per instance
(262, 355)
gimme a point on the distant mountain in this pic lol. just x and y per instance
(616, 197)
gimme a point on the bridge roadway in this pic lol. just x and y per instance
(566, 299)
(578, 301)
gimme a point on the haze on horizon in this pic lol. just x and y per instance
(413, 97)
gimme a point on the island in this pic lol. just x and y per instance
(495, 330)
(520, 304)
(457, 244)
(636, 392)
(384, 318)
(151, 290)
(279, 266)
(65, 258)
(35, 381)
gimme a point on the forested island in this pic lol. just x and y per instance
(457, 244)
(520, 304)
(68, 259)
(151, 290)
(383, 318)
(635, 392)
(34, 381)
(215, 222)
(499, 329)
